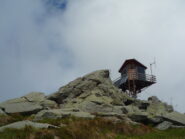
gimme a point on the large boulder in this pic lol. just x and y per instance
(61, 113)
(23, 124)
(21, 107)
(164, 125)
(175, 117)
(2, 113)
(28, 104)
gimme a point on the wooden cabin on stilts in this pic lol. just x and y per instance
(134, 78)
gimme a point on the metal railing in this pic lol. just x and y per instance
(138, 76)
(141, 76)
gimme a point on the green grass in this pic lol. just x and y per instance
(16, 134)
(27, 133)
(98, 128)
(167, 134)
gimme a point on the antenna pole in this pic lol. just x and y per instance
(151, 68)
(151, 64)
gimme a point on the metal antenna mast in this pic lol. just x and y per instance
(151, 64)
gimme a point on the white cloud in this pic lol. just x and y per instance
(41, 50)
(33, 56)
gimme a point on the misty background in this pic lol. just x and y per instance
(44, 44)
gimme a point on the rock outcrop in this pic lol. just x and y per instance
(94, 95)
(29, 104)
(91, 93)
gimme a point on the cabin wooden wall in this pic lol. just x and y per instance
(132, 74)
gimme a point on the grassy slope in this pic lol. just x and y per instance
(78, 128)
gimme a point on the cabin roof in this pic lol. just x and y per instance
(131, 61)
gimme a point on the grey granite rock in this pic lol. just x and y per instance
(23, 124)
(28, 104)
(21, 107)
(2, 112)
(59, 113)
(164, 125)
(175, 117)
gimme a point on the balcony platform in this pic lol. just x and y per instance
(135, 82)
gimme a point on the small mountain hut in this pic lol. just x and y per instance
(134, 78)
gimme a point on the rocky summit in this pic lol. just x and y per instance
(94, 95)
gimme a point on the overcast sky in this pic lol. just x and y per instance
(44, 44)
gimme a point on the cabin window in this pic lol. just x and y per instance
(141, 70)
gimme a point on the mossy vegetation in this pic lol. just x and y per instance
(98, 128)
